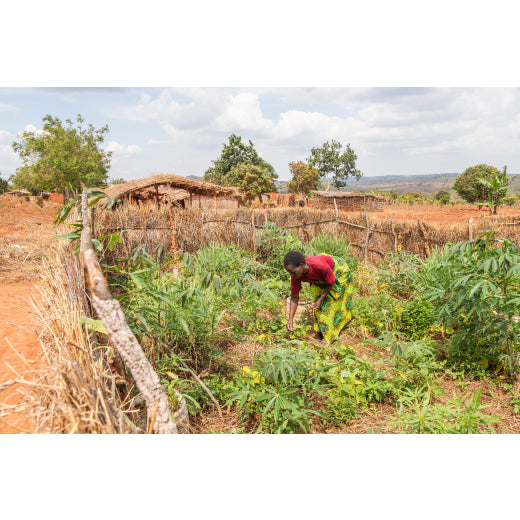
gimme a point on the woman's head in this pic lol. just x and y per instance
(294, 263)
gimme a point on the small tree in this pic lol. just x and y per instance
(330, 160)
(251, 180)
(4, 185)
(62, 157)
(304, 178)
(469, 184)
(496, 185)
(443, 197)
(120, 180)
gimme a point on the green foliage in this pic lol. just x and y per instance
(62, 157)
(304, 178)
(459, 415)
(443, 196)
(469, 184)
(511, 200)
(475, 287)
(376, 313)
(250, 179)
(233, 153)
(279, 388)
(328, 244)
(417, 318)
(4, 185)
(119, 180)
(400, 273)
(273, 244)
(330, 160)
(496, 184)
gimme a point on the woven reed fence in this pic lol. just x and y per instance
(371, 238)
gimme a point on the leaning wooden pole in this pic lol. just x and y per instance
(121, 337)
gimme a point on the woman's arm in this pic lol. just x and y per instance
(292, 310)
(318, 302)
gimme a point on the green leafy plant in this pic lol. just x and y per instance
(400, 273)
(329, 244)
(376, 313)
(417, 318)
(272, 245)
(475, 287)
(461, 415)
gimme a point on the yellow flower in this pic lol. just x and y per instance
(253, 374)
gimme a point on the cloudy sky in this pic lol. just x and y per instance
(181, 130)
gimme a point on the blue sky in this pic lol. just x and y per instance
(409, 130)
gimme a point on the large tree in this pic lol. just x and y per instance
(233, 153)
(304, 178)
(330, 160)
(62, 157)
(470, 187)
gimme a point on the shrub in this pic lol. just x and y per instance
(273, 244)
(329, 244)
(475, 288)
(417, 317)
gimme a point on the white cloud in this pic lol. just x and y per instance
(386, 126)
(242, 113)
(4, 107)
(121, 150)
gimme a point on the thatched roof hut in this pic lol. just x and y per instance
(18, 193)
(167, 188)
(347, 200)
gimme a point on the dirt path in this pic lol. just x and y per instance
(26, 228)
(18, 331)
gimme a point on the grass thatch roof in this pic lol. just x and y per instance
(176, 182)
(17, 192)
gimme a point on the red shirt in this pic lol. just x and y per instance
(320, 270)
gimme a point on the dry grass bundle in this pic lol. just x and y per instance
(74, 390)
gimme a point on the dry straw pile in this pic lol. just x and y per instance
(73, 390)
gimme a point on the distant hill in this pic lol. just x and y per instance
(425, 184)
(194, 177)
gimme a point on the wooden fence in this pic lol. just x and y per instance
(371, 238)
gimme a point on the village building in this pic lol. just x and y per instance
(167, 188)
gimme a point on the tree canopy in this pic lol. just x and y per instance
(470, 187)
(250, 179)
(62, 157)
(330, 160)
(236, 153)
(4, 185)
(304, 178)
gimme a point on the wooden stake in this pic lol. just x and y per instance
(365, 252)
(426, 238)
(121, 337)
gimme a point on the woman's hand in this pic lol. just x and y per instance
(316, 304)
(290, 325)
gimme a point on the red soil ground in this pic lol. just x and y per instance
(25, 233)
(433, 213)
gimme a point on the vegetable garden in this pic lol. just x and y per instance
(433, 346)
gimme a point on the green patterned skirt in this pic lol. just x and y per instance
(335, 311)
